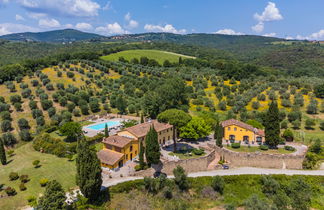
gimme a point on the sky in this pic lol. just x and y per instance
(291, 19)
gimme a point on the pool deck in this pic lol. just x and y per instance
(91, 132)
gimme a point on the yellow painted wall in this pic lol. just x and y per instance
(127, 134)
(239, 133)
(127, 153)
(165, 135)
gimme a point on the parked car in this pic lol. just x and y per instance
(225, 167)
(158, 174)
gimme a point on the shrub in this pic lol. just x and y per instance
(316, 147)
(24, 178)
(208, 192)
(22, 187)
(138, 168)
(218, 184)
(43, 182)
(36, 163)
(288, 135)
(180, 178)
(264, 147)
(198, 151)
(32, 201)
(235, 145)
(289, 148)
(10, 191)
(13, 176)
(167, 193)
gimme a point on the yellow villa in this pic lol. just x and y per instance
(124, 146)
(237, 131)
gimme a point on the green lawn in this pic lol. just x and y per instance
(51, 168)
(184, 156)
(257, 149)
(159, 56)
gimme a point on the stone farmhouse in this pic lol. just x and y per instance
(124, 146)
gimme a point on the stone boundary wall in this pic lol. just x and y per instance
(189, 165)
(280, 161)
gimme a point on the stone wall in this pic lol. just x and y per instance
(190, 165)
(280, 161)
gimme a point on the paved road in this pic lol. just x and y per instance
(235, 171)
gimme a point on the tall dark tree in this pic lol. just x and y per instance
(175, 117)
(88, 176)
(272, 125)
(141, 155)
(218, 135)
(106, 131)
(152, 148)
(142, 118)
(3, 157)
(54, 197)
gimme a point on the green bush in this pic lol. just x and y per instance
(218, 184)
(264, 147)
(22, 187)
(24, 178)
(289, 148)
(13, 176)
(43, 182)
(138, 168)
(32, 201)
(10, 191)
(235, 145)
(198, 151)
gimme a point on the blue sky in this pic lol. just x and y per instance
(281, 18)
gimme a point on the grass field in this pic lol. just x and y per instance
(159, 56)
(257, 149)
(51, 168)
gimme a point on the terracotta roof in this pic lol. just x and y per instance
(118, 141)
(109, 157)
(242, 125)
(142, 129)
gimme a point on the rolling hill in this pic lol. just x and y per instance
(57, 36)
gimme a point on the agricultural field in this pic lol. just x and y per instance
(79, 80)
(159, 56)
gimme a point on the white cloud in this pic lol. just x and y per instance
(19, 18)
(110, 29)
(68, 25)
(258, 27)
(168, 28)
(9, 28)
(228, 32)
(127, 17)
(49, 23)
(289, 37)
(270, 34)
(83, 26)
(79, 8)
(4, 1)
(317, 35)
(35, 15)
(107, 6)
(270, 13)
(314, 36)
(131, 23)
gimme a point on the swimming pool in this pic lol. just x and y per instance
(101, 126)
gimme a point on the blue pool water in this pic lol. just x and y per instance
(101, 126)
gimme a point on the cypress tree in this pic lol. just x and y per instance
(88, 176)
(142, 118)
(3, 157)
(54, 197)
(152, 147)
(141, 155)
(218, 135)
(106, 131)
(272, 125)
